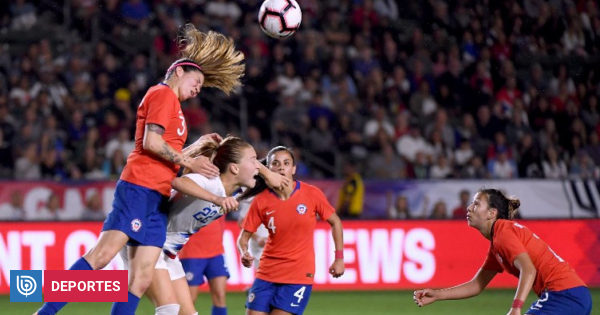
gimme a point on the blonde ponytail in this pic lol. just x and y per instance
(216, 55)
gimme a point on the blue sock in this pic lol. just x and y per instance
(51, 308)
(219, 310)
(126, 308)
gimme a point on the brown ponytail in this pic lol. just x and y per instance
(513, 206)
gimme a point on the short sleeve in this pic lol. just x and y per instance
(252, 220)
(507, 243)
(200, 180)
(323, 207)
(491, 263)
(160, 108)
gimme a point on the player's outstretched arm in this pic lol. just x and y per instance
(337, 232)
(273, 180)
(189, 187)
(466, 290)
(154, 142)
(242, 243)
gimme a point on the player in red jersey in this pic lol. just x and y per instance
(285, 274)
(520, 252)
(209, 59)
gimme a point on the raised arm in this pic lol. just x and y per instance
(337, 267)
(466, 290)
(154, 142)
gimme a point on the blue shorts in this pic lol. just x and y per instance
(265, 295)
(140, 213)
(574, 301)
(198, 268)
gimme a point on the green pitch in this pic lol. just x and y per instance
(326, 303)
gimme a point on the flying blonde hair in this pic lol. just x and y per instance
(216, 55)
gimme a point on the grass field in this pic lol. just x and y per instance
(326, 303)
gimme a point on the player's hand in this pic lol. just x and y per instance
(337, 268)
(514, 311)
(227, 204)
(211, 136)
(276, 180)
(202, 165)
(247, 260)
(424, 297)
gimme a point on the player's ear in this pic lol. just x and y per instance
(179, 71)
(493, 213)
(294, 170)
(234, 168)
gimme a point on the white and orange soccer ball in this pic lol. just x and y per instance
(279, 18)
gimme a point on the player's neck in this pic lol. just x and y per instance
(172, 86)
(487, 230)
(229, 183)
(286, 192)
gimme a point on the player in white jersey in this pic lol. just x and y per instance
(236, 160)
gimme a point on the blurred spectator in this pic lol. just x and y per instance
(50, 211)
(439, 211)
(28, 166)
(398, 210)
(93, 208)
(552, 166)
(386, 164)
(502, 166)
(13, 210)
(460, 212)
(350, 201)
(23, 15)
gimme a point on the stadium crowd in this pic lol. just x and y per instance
(404, 89)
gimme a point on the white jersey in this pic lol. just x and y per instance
(188, 214)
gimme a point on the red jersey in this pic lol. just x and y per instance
(159, 106)
(206, 243)
(289, 255)
(511, 239)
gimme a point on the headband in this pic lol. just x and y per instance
(185, 63)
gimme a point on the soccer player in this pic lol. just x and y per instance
(520, 252)
(285, 274)
(209, 59)
(195, 202)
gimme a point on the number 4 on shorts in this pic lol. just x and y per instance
(300, 294)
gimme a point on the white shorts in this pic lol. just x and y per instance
(173, 266)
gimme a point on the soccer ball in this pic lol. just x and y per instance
(279, 18)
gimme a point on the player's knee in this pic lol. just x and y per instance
(141, 281)
(169, 309)
(99, 257)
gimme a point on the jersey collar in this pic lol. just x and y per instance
(293, 192)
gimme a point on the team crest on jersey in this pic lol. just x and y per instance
(301, 208)
(251, 297)
(189, 276)
(136, 225)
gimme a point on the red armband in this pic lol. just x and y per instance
(517, 303)
(339, 254)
